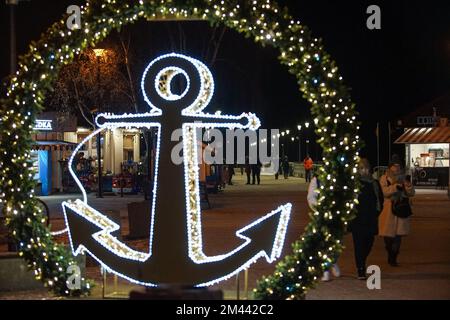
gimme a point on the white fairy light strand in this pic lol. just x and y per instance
(191, 178)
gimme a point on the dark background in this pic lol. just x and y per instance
(391, 71)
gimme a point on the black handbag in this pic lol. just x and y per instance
(401, 207)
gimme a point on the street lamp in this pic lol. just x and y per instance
(307, 147)
(99, 53)
(299, 127)
(299, 147)
(307, 124)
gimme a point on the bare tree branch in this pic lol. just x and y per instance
(92, 84)
(126, 52)
(217, 46)
(79, 105)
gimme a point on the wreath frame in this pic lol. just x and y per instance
(317, 74)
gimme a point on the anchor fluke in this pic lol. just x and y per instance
(268, 233)
(80, 229)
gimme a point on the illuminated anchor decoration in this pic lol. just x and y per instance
(176, 250)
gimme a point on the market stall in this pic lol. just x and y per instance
(427, 154)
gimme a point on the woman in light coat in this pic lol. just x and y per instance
(391, 227)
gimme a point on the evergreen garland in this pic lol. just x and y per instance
(317, 74)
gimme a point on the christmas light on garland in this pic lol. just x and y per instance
(267, 24)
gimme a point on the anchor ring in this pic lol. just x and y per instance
(161, 72)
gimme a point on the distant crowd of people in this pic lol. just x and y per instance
(253, 171)
(383, 209)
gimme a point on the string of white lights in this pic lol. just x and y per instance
(191, 178)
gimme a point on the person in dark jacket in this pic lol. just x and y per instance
(364, 226)
(248, 169)
(286, 167)
(230, 173)
(256, 172)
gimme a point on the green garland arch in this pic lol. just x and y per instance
(267, 24)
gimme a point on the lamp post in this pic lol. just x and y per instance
(12, 65)
(307, 124)
(287, 144)
(99, 165)
(99, 53)
(307, 147)
(12, 35)
(299, 138)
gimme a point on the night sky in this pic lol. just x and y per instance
(391, 71)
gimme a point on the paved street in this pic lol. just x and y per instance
(424, 271)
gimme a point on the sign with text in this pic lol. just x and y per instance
(43, 125)
(55, 122)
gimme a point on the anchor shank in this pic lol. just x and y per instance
(170, 225)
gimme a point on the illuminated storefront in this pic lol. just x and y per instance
(427, 151)
(427, 144)
(55, 139)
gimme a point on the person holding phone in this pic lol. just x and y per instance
(395, 186)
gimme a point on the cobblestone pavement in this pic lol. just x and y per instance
(424, 271)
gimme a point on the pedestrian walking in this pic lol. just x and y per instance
(248, 169)
(364, 226)
(394, 220)
(230, 174)
(278, 166)
(308, 164)
(256, 172)
(286, 167)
